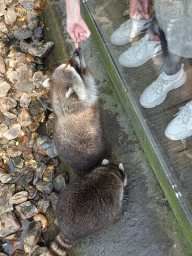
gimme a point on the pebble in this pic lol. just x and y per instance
(22, 33)
(3, 128)
(48, 174)
(32, 236)
(27, 4)
(4, 88)
(2, 7)
(7, 103)
(38, 79)
(36, 108)
(45, 187)
(6, 193)
(41, 51)
(41, 251)
(26, 210)
(25, 100)
(59, 182)
(25, 86)
(13, 152)
(41, 167)
(27, 154)
(13, 132)
(8, 224)
(18, 162)
(24, 118)
(2, 65)
(19, 197)
(10, 16)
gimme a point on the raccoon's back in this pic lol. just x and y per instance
(79, 139)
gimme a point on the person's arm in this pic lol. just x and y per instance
(140, 6)
(76, 26)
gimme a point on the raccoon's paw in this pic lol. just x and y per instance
(46, 83)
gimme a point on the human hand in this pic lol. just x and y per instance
(78, 30)
(139, 6)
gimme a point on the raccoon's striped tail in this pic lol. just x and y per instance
(59, 247)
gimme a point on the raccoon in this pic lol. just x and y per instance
(88, 204)
(78, 134)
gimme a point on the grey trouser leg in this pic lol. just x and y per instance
(171, 62)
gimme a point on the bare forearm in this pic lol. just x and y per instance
(73, 9)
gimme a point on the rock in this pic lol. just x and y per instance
(3, 28)
(24, 118)
(10, 16)
(18, 253)
(25, 100)
(6, 193)
(41, 51)
(22, 33)
(41, 217)
(18, 162)
(10, 115)
(27, 154)
(25, 86)
(13, 76)
(38, 79)
(36, 108)
(32, 236)
(2, 7)
(50, 234)
(45, 187)
(49, 149)
(53, 199)
(26, 210)
(33, 127)
(32, 192)
(48, 174)
(8, 103)
(9, 178)
(8, 224)
(4, 88)
(3, 128)
(32, 20)
(24, 46)
(2, 65)
(43, 205)
(27, 4)
(13, 132)
(13, 152)
(59, 182)
(37, 34)
(41, 167)
(19, 197)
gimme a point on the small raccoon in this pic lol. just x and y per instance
(88, 204)
(78, 135)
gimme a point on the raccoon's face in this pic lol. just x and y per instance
(77, 62)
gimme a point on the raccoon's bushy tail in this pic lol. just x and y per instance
(59, 247)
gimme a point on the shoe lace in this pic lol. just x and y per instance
(184, 114)
(158, 85)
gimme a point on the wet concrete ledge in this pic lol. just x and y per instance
(150, 147)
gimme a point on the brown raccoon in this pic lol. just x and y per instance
(77, 134)
(88, 204)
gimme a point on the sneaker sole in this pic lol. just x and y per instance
(141, 62)
(163, 97)
(182, 137)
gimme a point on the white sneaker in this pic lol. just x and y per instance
(140, 52)
(128, 30)
(181, 126)
(156, 93)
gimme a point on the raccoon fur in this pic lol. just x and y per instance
(77, 135)
(88, 204)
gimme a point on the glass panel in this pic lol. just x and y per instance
(177, 155)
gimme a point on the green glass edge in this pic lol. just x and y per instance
(145, 141)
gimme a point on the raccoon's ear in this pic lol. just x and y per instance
(46, 83)
(121, 167)
(69, 92)
(105, 162)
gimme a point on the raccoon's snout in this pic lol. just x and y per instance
(77, 52)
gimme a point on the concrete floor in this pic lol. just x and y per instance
(146, 224)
